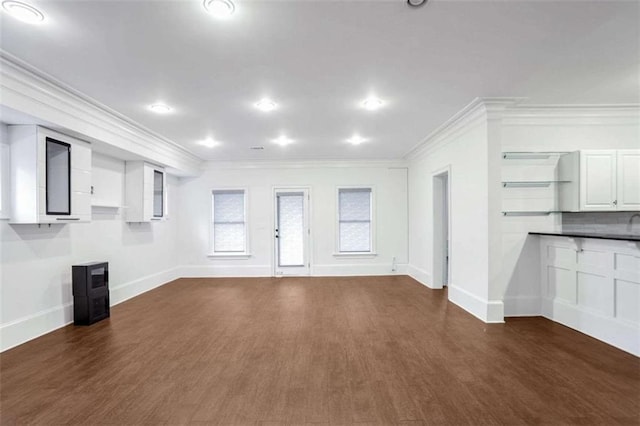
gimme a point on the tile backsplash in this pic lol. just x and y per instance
(602, 222)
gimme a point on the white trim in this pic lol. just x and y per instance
(522, 306)
(308, 243)
(30, 91)
(141, 285)
(420, 275)
(489, 311)
(436, 279)
(360, 269)
(475, 112)
(303, 164)
(229, 255)
(27, 328)
(356, 255)
(617, 333)
(222, 254)
(372, 216)
(223, 271)
(5, 181)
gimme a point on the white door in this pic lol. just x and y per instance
(628, 179)
(597, 180)
(291, 232)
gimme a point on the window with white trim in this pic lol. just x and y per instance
(229, 222)
(4, 181)
(355, 220)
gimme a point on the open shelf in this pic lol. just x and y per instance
(532, 184)
(529, 213)
(525, 155)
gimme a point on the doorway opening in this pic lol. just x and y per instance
(292, 232)
(441, 228)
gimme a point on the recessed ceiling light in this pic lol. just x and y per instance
(357, 140)
(221, 9)
(372, 103)
(23, 12)
(282, 141)
(160, 108)
(266, 105)
(209, 142)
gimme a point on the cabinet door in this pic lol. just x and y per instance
(628, 185)
(598, 180)
(158, 194)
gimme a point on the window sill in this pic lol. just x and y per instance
(356, 255)
(238, 256)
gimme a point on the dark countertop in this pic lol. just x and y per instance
(595, 235)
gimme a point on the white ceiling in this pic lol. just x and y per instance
(319, 59)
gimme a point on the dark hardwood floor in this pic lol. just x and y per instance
(368, 350)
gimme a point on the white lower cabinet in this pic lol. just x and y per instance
(50, 176)
(593, 286)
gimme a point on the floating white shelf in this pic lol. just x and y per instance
(107, 206)
(531, 213)
(532, 184)
(523, 155)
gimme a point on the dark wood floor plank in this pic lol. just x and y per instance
(321, 351)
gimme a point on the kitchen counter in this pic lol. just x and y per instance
(595, 235)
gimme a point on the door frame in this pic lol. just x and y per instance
(274, 223)
(438, 251)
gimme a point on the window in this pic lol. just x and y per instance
(4, 181)
(355, 234)
(229, 223)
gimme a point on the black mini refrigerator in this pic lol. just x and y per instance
(90, 292)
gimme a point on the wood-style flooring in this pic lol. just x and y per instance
(365, 350)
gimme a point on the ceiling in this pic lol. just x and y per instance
(319, 59)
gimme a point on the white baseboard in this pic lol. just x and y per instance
(357, 270)
(420, 275)
(239, 271)
(490, 311)
(622, 335)
(27, 328)
(17, 332)
(522, 306)
(134, 288)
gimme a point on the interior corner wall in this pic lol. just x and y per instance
(35, 278)
(466, 152)
(560, 129)
(390, 217)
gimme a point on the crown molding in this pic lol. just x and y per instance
(35, 93)
(559, 115)
(476, 112)
(302, 164)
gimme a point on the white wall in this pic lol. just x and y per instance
(36, 262)
(389, 182)
(550, 129)
(465, 150)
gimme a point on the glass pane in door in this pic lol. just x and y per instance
(158, 194)
(58, 179)
(291, 229)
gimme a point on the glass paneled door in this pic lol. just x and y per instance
(291, 232)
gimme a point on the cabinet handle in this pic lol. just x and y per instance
(615, 202)
(67, 218)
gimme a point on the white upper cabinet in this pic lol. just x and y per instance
(628, 164)
(600, 180)
(50, 176)
(145, 192)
